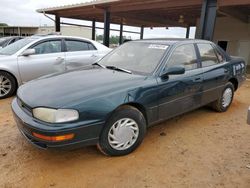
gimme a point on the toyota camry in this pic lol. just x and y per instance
(111, 103)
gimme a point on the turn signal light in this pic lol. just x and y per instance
(54, 138)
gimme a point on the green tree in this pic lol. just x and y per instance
(113, 39)
(3, 24)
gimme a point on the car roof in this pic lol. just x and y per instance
(37, 38)
(171, 41)
(56, 36)
(9, 37)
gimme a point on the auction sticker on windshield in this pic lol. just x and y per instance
(158, 46)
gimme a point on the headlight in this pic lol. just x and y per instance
(55, 116)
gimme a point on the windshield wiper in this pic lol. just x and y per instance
(118, 69)
(99, 65)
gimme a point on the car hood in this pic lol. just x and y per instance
(60, 90)
(3, 55)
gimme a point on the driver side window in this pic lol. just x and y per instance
(53, 46)
(184, 55)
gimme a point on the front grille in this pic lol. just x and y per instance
(24, 106)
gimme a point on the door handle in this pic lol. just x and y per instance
(197, 79)
(59, 59)
(94, 56)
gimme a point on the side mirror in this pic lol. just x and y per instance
(29, 52)
(173, 71)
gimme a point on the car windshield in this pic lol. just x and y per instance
(15, 47)
(4, 38)
(139, 57)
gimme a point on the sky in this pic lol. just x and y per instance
(23, 13)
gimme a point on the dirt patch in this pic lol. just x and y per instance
(199, 149)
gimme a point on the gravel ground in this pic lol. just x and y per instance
(199, 149)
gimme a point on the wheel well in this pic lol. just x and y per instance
(12, 76)
(139, 107)
(234, 81)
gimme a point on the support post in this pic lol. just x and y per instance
(18, 31)
(93, 30)
(187, 32)
(57, 23)
(121, 34)
(142, 32)
(208, 19)
(106, 28)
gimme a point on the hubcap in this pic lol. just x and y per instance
(227, 97)
(123, 134)
(5, 86)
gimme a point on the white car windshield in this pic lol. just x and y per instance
(15, 47)
(140, 57)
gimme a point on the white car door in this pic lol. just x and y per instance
(48, 59)
(79, 53)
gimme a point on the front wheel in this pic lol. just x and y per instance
(7, 85)
(123, 132)
(226, 98)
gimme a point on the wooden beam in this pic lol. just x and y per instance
(65, 13)
(162, 20)
(222, 3)
(235, 13)
(156, 4)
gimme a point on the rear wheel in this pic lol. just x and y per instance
(226, 98)
(7, 85)
(123, 132)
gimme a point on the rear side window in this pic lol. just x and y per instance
(48, 47)
(221, 57)
(208, 55)
(91, 46)
(74, 46)
(184, 55)
(12, 41)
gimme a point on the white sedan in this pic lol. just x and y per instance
(36, 56)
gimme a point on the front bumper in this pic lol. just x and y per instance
(85, 133)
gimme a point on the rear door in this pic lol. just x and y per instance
(48, 59)
(79, 53)
(181, 93)
(214, 70)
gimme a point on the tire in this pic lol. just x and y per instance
(8, 85)
(222, 104)
(117, 139)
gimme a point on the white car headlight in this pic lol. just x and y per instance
(55, 115)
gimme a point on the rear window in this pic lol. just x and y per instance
(74, 46)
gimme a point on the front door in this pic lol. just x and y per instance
(48, 59)
(180, 93)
